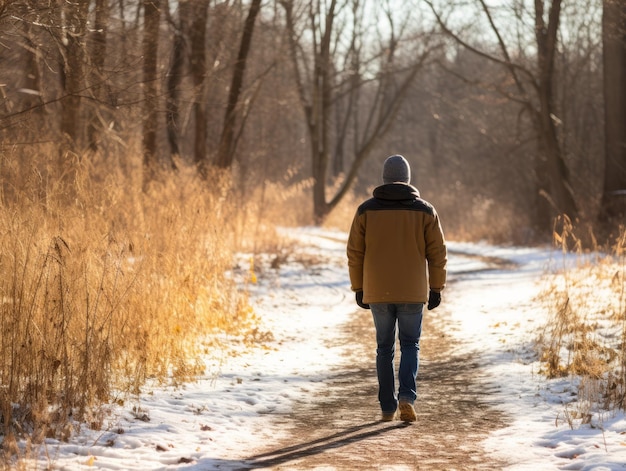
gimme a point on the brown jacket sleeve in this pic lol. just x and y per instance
(436, 254)
(356, 253)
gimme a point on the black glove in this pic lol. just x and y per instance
(359, 300)
(434, 298)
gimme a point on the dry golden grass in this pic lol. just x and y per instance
(268, 206)
(103, 290)
(341, 216)
(585, 336)
(469, 218)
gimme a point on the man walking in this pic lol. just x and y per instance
(397, 261)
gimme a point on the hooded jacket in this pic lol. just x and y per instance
(396, 247)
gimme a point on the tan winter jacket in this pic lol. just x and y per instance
(396, 248)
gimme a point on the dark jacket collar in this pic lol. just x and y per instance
(396, 192)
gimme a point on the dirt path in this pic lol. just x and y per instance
(341, 430)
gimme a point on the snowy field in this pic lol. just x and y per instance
(244, 401)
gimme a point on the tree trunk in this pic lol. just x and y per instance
(227, 144)
(150, 55)
(174, 79)
(555, 196)
(97, 79)
(73, 79)
(74, 20)
(613, 210)
(319, 123)
(198, 72)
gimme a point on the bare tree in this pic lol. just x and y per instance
(73, 19)
(97, 78)
(614, 39)
(175, 76)
(533, 90)
(350, 88)
(152, 11)
(199, 11)
(226, 149)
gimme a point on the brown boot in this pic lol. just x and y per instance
(407, 412)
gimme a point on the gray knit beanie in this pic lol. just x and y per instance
(396, 169)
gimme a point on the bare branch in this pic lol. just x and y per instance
(506, 62)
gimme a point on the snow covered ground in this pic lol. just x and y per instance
(244, 400)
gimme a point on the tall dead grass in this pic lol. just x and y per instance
(585, 337)
(108, 287)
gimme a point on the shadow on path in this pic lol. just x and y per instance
(323, 444)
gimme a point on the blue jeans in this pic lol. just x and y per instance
(408, 318)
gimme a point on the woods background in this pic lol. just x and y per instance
(510, 113)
